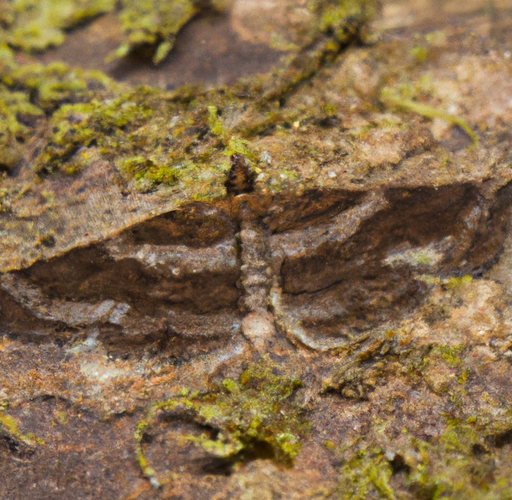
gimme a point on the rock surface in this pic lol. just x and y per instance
(297, 286)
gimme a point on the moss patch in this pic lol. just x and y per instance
(15, 108)
(152, 140)
(9, 427)
(30, 93)
(365, 476)
(35, 25)
(153, 24)
(347, 19)
(260, 409)
(458, 465)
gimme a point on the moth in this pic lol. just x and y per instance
(320, 269)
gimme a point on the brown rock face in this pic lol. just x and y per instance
(297, 287)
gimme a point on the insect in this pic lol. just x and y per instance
(319, 270)
(240, 176)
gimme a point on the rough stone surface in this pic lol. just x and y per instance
(295, 287)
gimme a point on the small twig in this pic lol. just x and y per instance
(427, 111)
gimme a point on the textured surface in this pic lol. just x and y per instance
(297, 287)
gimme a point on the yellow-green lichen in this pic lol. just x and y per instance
(458, 282)
(451, 354)
(146, 173)
(366, 476)
(29, 93)
(239, 146)
(445, 373)
(329, 445)
(150, 27)
(258, 409)
(346, 18)
(35, 25)
(53, 84)
(77, 126)
(156, 139)
(214, 120)
(9, 427)
(15, 107)
(457, 465)
(419, 53)
(153, 24)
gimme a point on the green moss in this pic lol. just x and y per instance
(261, 408)
(346, 18)
(451, 382)
(450, 354)
(457, 465)
(457, 282)
(242, 147)
(153, 138)
(329, 445)
(14, 106)
(156, 140)
(149, 135)
(282, 179)
(49, 86)
(35, 89)
(366, 476)
(214, 120)
(153, 24)
(150, 27)
(449, 468)
(105, 124)
(10, 427)
(30, 92)
(419, 54)
(35, 25)
(329, 109)
(62, 417)
(146, 173)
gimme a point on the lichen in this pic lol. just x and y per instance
(14, 106)
(458, 282)
(49, 86)
(214, 120)
(346, 19)
(153, 25)
(31, 92)
(9, 427)
(260, 408)
(367, 474)
(155, 139)
(457, 465)
(35, 25)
